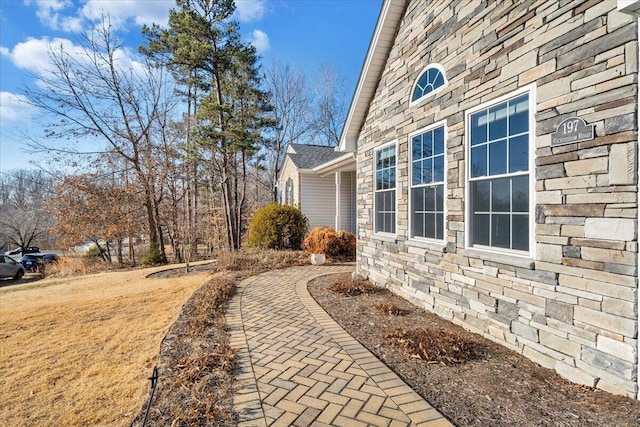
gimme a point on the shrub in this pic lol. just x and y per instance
(339, 245)
(278, 227)
(93, 255)
(152, 257)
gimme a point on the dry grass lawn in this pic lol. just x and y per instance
(79, 351)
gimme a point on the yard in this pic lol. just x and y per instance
(79, 351)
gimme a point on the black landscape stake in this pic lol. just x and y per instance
(154, 382)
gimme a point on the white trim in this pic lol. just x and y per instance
(348, 159)
(631, 7)
(431, 94)
(375, 170)
(338, 216)
(638, 218)
(531, 90)
(442, 123)
(382, 41)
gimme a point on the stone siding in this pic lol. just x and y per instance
(572, 306)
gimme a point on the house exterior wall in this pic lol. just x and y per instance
(570, 303)
(318, 196)
(289, 171)
(348, 202)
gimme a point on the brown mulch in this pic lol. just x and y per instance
(195, 364)
(471, 380)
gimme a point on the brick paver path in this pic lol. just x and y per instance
(296, 366)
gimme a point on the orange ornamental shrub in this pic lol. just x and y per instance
(339, 245)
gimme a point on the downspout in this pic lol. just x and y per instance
(338, 205)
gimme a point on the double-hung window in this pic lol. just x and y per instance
(499, 181)
(428, 183)
(385, 189)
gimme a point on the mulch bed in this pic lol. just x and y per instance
(471, 380)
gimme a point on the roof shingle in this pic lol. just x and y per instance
(305, 156)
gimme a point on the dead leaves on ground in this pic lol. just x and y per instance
(390, 309)
(436, 346)
(354, 287)
(196, 363)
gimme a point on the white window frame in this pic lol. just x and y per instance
(431, 94)
(393, 143)
(531, 90)
(431, 127)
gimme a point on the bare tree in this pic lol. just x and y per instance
(23, 221)
(289, 94)
(95, 92)
(330, 100)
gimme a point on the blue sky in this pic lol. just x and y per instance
(303, 33)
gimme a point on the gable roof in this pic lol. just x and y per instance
(381, 43)
(305, 156)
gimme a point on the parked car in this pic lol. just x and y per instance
(27, 250)
(36, 262)
(10, 268)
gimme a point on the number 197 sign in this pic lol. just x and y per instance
(573, 129)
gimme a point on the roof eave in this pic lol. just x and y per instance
(337, 164)
(632, 7)
(381, 43)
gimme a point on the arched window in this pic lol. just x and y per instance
(288, 192)
(430, 81)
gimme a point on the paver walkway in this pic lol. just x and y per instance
(296, 366)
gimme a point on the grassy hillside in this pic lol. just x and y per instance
(79, 351)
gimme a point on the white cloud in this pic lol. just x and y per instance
(33, 55)
(260, 40)
(13, 107)
(120, 11)
(51, 14)
(250, 10)
(67, 15)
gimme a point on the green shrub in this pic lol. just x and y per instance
(152, 257)
(93, 254)
(278, 227)
(339, 245)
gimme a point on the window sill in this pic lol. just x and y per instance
(425, 244)
(391, 238)
(500, 258)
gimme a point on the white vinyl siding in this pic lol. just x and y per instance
(348, 201)
(318, 199)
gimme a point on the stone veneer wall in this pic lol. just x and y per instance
(574, 307)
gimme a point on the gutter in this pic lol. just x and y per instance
(331, 166)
